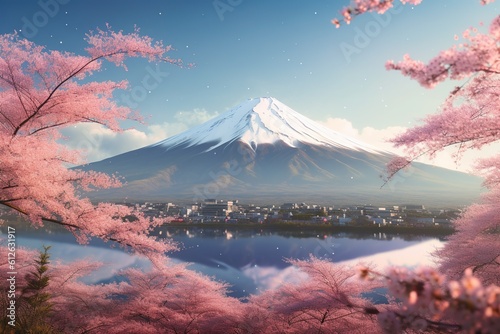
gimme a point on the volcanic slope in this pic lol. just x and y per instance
(264, 151)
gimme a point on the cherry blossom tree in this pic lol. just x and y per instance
(328, 300)
(469, 119)
(424, 301)
(332, 299)
(171, 299)
(42, 91)
(166, 299)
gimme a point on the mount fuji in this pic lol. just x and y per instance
(264, 151)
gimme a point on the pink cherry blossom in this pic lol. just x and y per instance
(42, 91)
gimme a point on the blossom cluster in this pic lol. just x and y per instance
(426, 300)
(358, 7)
(479, 52)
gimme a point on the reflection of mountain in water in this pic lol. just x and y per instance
(268, 248)
(245, 258)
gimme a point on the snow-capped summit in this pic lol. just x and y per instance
(263, 150)
(263, 120)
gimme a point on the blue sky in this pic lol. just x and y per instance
(249, 48)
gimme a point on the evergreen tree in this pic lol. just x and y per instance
(35, 306)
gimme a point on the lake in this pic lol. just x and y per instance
(249, 259)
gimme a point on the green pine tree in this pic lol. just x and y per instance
(35, 306)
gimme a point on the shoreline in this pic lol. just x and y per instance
(433, 230)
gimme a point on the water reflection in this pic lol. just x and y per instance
(246, 247)
(251, 260)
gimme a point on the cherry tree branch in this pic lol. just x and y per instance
(72, 74)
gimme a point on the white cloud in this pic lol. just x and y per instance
(369, 135)
(378, 138)
(99, 142)
(270, 278)
(343, 126)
